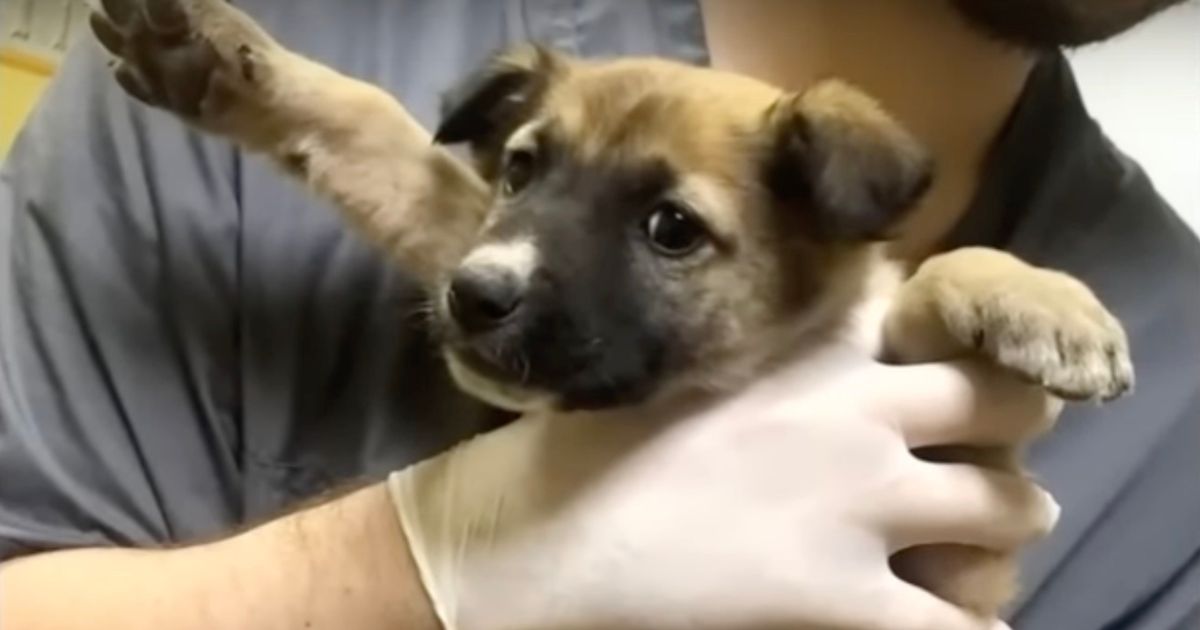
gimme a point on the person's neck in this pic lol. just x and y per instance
(950, 86)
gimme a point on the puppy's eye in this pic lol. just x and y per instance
(518, 171)
(673, 230)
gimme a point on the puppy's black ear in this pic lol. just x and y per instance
(495, 99)
(836, 156)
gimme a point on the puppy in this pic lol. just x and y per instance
(631, 231)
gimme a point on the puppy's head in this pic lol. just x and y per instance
(655, 224)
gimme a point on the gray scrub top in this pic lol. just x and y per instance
(188, 341)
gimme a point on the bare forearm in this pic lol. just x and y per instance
(344, 564)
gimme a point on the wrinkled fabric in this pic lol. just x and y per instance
(189, 342)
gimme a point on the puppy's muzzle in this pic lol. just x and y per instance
(486, 311)
(483, 299)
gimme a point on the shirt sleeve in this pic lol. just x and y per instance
(118, 282)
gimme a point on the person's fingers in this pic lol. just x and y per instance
(968, 505)
(962, 403)
(906, 607)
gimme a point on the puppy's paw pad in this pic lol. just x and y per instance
(192, 57)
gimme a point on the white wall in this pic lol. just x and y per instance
(46, 27)
(1144, 88)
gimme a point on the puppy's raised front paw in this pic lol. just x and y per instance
(196, 58)
(1043, 324)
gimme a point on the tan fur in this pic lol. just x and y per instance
(1043, 324)
(358, 147)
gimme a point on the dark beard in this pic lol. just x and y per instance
(1047, 24)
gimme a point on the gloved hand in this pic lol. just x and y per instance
(776, 508)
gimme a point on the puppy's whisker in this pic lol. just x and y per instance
(523, 362)
(424, 313)
(420, 310)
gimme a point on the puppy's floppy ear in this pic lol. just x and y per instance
(495, 99)
(836, 156)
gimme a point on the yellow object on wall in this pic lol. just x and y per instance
(22, 78)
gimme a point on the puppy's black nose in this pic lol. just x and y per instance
(481, 300)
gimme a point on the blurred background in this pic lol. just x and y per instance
(1143, 87)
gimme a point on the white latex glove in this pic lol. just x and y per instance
(777, 508)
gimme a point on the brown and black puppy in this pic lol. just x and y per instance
(632, 230)
(658, 228)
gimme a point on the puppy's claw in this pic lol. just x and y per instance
(108, 35)
(121, 12)
(1043, 325)
(199, 59)
(1069, 344)
(134, 85)
(167, 16)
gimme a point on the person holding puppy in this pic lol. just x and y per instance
(656, 525)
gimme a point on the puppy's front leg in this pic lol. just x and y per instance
(213, 66)
(1045, 326)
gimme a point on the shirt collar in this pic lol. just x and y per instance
(1039, 147)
